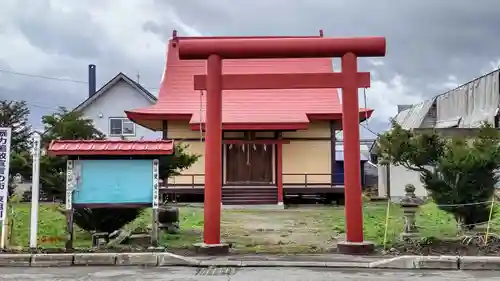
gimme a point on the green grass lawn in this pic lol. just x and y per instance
(308, 229)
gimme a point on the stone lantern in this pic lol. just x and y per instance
(410, 204)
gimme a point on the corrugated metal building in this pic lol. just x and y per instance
(466, 106)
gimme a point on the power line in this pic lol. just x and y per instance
(37, 105)
(58, 79)
(36, 76)
(44, 106)
(42, 77)
(369, 130)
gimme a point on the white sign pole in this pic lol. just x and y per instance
(5, 135)
(35, 191)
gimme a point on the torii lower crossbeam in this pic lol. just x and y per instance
(282, 81)
(349, 80)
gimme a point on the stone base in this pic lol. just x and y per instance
(356, 248)
(211, 249)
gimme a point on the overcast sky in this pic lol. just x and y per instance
(432, 45)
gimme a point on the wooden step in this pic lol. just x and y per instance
(253, 202)
(249, 195)
(250, 192)
(249, 189)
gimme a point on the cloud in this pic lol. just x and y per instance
(450, 83)
(493, 65)
(428, 50)
(384, 96)
(185, 28)
(376, 62)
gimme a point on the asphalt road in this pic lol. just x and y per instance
(250, 274)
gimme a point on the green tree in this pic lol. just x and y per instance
(14, 114)
(68, 125)
(62, 125)
(459, 173)
(173, 165)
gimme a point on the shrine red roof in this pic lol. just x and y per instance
(110, 147)
(242, 109)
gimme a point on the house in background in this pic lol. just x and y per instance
(466, 106)
(107, 106)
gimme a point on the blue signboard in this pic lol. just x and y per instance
(124, 181)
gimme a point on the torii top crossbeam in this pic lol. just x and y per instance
(249, 48)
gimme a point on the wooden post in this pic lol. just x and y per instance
(352, 169)
(275, 148)
(164, 197)
(164, 130)
(213, 152)
(154, 229)
(279, 170)
(69, 229)
(223, 164)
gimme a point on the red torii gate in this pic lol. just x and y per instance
(214, 50)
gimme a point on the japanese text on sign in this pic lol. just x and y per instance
(156, 199)
(69, 184)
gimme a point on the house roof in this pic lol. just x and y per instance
(110, 147)
(242, 109)
(119, 77)
(413, 116)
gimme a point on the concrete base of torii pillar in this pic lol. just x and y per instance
(212, 249)
(356, 248)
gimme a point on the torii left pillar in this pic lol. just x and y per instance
(214, 50)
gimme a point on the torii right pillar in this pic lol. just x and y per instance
(215, 50)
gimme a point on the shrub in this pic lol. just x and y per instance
(459, 173)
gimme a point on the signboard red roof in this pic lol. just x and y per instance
(110, 147)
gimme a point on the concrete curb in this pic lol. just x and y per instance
(418, 262)
(168, 259)
(439, 262)
(267, 263)
(96, 259)
(480, 263)
(392, 263)
(153, 260)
